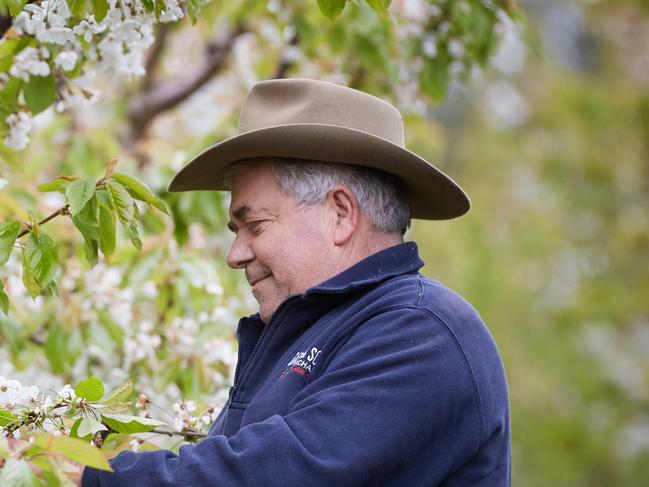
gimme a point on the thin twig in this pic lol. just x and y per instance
(60, 211)
(186, 434)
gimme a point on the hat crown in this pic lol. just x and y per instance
(303, 101)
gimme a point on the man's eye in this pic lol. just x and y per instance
(256, 227)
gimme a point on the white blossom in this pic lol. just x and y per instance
(429, 47)
(172, 12)
(30, 61)
(9, 392)
(66, 60)
(456, 48)
(20, 125)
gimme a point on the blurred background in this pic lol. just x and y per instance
(550, 138)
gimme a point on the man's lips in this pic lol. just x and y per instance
(258, 279)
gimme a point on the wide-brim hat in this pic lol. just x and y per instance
(309, 119)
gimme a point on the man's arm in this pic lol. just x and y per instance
(398, 385)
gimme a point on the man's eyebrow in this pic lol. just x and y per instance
(238, 214)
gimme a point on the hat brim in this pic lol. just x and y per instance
(433, 195)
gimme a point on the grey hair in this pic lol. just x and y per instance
(381, 196)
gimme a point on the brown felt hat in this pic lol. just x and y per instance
(309, 119)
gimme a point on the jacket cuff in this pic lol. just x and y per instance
(90, 477)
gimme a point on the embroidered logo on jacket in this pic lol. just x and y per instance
(302, 362)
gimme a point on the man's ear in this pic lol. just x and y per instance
(345, 213)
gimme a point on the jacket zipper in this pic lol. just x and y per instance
(240, 371)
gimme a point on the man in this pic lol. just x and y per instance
(357, 370)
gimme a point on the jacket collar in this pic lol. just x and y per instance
(393, 261)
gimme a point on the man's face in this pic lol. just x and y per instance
(284, 249)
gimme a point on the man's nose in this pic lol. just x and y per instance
(240, 254)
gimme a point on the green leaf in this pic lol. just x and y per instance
(7, 52)
(89, 426)
(8, 233)
(100, 9)
(139, 191)
(17, 473)
(40, 93)
(134, 235)
(78, 193)
(40, 261)
(107, 230)
(87, 222)
(434, 78)
(331, 8)
(120, 394)
(60, 347)
(379, 6)
(6, 417)
(194, 8)
(91, 389)
(15, 6)
(154, 6)
(122, 423)
(77, 450)
(121, 201)
(77, 7)
(4, 300)
(54, 185)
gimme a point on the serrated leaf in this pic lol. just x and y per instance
(78, 193)
(107, 229)
(134, 235)
(89, 426)
(17, 473)
(194, 8)
(121, 200)
(91, 389)
(379, 6)
(139, 191)
(8, 233)
(87, 222)
(100, 9)
(40, 93)
(4, 302)
(6, 417)
(122, 423)
(77, 450)
(154, 6)
(120, 393)
(77, 7)
(331, 8)
(54, 185)
(40, 261)
(15, 6)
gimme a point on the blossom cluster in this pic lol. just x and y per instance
(186, 419)
(77, 51)
(32, 409)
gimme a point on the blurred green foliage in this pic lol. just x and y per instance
(555, 253)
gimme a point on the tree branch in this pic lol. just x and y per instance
(146, 106)
(60, 211)
(286, 62)
(162, 34)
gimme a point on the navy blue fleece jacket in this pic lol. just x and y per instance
(378, 376)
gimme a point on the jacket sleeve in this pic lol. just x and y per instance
(398, 384)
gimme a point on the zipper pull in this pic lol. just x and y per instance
(230, 394)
